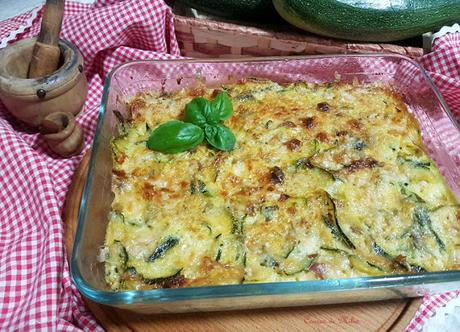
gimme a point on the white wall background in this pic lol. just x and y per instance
(10, 8)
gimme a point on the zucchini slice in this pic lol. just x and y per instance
(331, 221)
(422, 217)
(365, 267)
(297, 261)
(115, 263)
(161, 250)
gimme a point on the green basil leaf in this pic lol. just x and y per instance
(222, 105)
(211, 115)
(220, 137)
(194, 111)
(175, 136)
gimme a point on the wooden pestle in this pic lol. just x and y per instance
(46, 52)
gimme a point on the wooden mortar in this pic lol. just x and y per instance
(62, 134)
(32, 99)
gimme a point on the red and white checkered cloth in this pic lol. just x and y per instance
(36, 290)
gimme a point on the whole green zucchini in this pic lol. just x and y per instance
(369, 20)
(259, 10)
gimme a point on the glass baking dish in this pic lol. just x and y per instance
(404, 75)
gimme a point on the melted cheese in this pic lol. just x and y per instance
(325, 181)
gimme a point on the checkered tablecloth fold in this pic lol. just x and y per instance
(443, 65)
(36, 290)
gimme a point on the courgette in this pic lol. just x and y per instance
(161, 250)
(229, 249)
(237, 224)
(422, 218)
(356, 262)
(198, 186)
(369, 20)
(415, 163)
(296, 261)
(393, 263)
(410, 195)
(363, 266)
(162, 282)
(269, 261)
(115, 263)
(331, 221)
(269, 212)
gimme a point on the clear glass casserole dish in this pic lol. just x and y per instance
(404, 75)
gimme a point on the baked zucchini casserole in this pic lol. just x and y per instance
(324, 181)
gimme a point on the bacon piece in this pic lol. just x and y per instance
(288, 124)
(119, 173)
(197, 92)
(121, 158)
(283, 197)
(361, 164)
(277, 175)
(293, 144)
(319, 270)
(323, 107)
(175, 282)
(309, 122)
(354, 124)
(322, 136)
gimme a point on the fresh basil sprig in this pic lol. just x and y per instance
(174, 137)
(222, 105)
(202, 119)
(195, 111)
(220, 137)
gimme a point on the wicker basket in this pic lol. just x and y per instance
(204, 38)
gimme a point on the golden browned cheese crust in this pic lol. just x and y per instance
(325, 181)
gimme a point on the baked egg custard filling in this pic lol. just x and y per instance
(325, 181)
